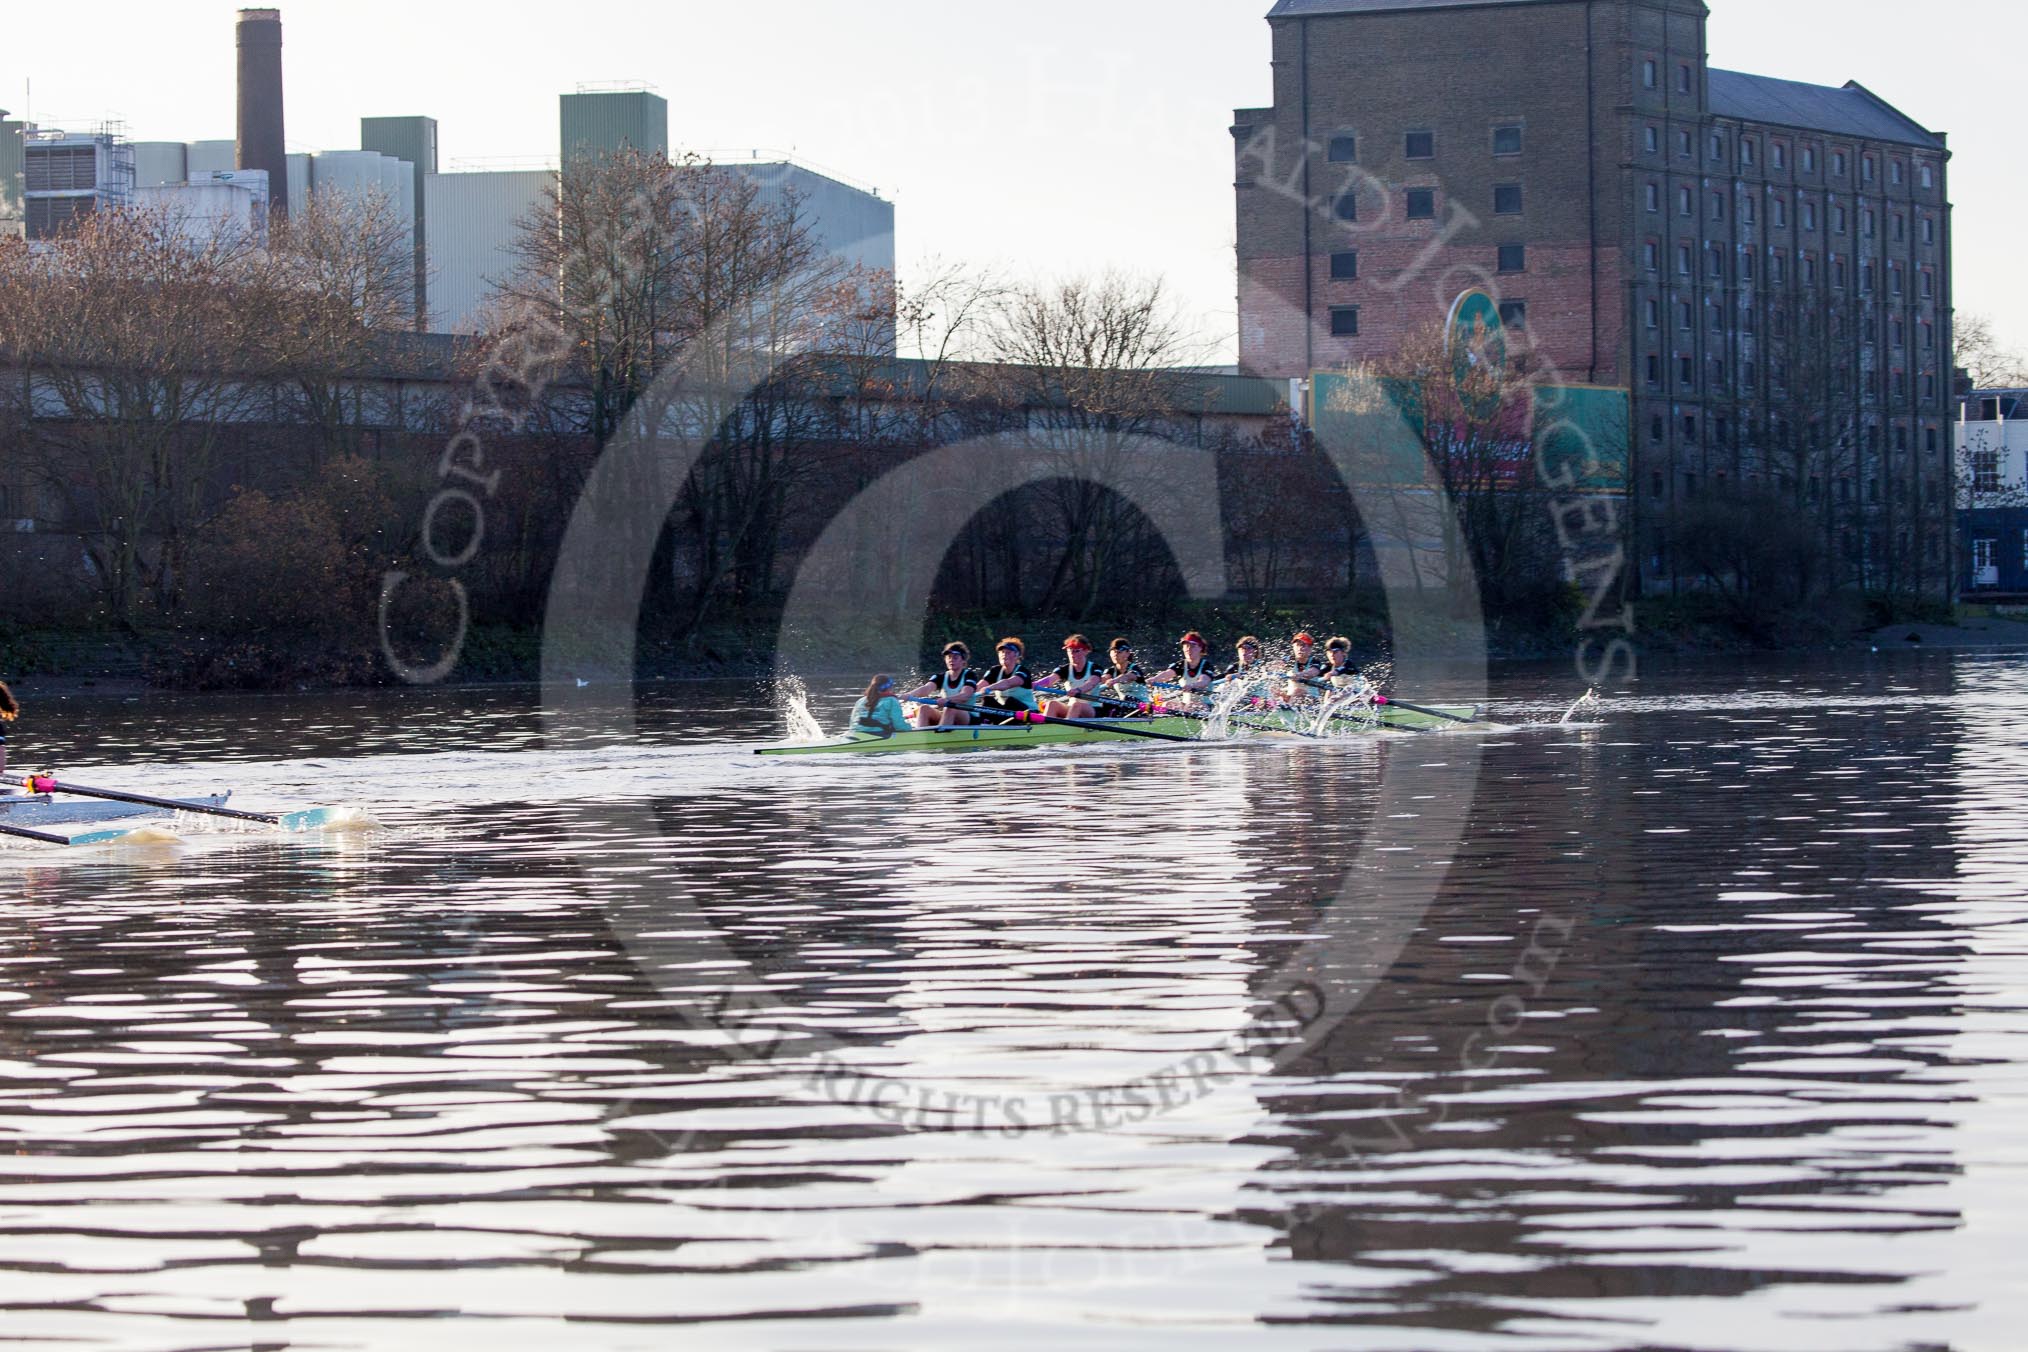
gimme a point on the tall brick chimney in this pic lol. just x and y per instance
(261, 145)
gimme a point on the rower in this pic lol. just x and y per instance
(1193, 672)
(10, 709)
(952, 686)
(1125, 677)
(1078, 678)
(1007, 689)
(878, 713)
(1343, 678)
(1299, 666)
(1247, 665)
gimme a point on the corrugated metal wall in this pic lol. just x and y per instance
(471, 228)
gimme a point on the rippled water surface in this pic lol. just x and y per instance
(1697, 1025)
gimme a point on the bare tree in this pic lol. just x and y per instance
(1981, 355)
(1460, 488)
(1087, 367)
(343, 280)
(142, 344)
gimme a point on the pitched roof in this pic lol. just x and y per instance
(1852, 110)
(1299, 9)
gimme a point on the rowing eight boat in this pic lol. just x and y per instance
(1014, 737)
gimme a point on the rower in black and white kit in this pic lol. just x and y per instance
(1072, 686)
(1302, 664)
(1345, 680)
(953, 685)
(1125, 677)
(1007, 688)
(1193, 672)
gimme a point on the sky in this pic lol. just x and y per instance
(1045, 138)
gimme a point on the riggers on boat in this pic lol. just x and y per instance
(39, 809)
(1015, 737)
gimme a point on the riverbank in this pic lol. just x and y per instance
(127, 662)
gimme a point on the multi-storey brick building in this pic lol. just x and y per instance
(1764, 265)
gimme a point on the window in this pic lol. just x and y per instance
(1718, 206)
(1986, 471)
(1894, 278)
(1684, 317)
(1809, 215)
(1928, 284)
(1683, 145)
(1513, 258)
(1685, 205)
(1421, 204)
(1837, 271)
(1838, 163)
(1745, 266)
(1344, 321)
(1654, 197)
(1347, 206)
(1778, 154)
(1507, 140)
(1717, 148)
(1686, 369)
(1344, 148)
(1345, 266)
(1866, 222)
(1781, 212)
(1895, 173)
(1655, 434)
(1421, 145)
(1929, 440)
(1654, 312)
(1651, 254)
(1928, 176)
(1809, 270)
(1896, 332)
(1777, 268)
(1866, 278)
(1809, 159)
(1654, 140)
(1648, 75)
(1506, 199)
(1654, 369)
(1714, 262)
(1837, 218)
(1746, 209)
(1690, 426)
(1514, 314)
(1746, 150)
(1683, 259)
(1866, 168)
(1900, 228)
(1682, 79)
(1929, 230)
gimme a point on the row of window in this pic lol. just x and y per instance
(1778, 213)
(1345, 318)
(1721, 431)
(1897, 170)
(1345, 262)
(1777, 268)
(1686, 377)
(1422, 145)
(1419, 204)
(1869, 325)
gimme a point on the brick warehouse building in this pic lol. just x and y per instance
(1764, 265)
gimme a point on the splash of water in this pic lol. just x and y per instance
(1588, 702)
(1219, 725)
(792, 700)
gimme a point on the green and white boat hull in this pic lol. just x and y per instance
(1017, 737)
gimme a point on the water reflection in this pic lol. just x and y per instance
(1720, 998)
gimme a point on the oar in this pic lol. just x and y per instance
(1402, 704)
(43, 784)
(45, 837)
(1023, 716)
(1201, 718)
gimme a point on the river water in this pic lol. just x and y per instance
(1698, 1023)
